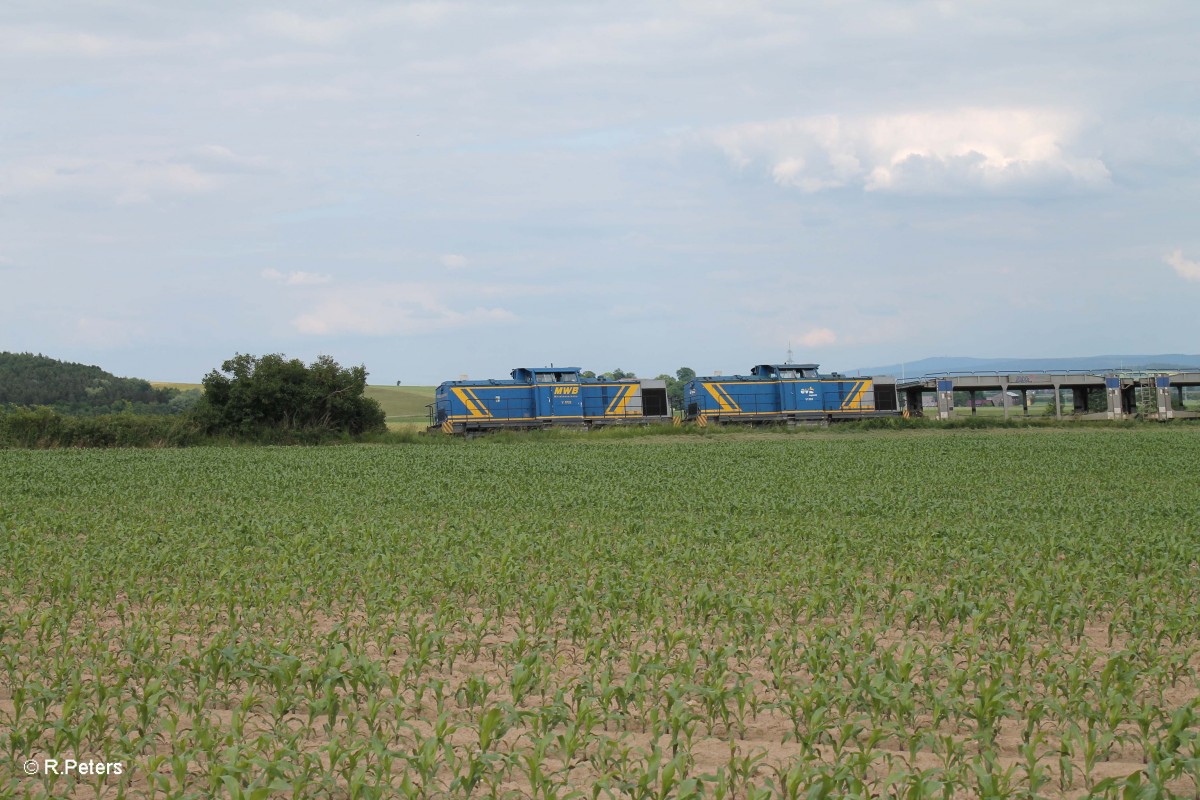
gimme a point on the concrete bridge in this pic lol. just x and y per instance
(1127, 394)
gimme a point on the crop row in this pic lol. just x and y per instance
(970, 614)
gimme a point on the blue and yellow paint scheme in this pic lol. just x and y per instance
(545, 397)
(786, 393)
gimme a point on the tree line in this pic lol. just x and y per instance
(45, 402)
(27, 379)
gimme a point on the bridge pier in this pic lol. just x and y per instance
(1004, 395)
(1058, 401)
(1116, 399)
(945, 399)
(1025, 402)
(1162, 388)
(973, 403)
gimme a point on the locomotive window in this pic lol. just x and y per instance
(545, 377)
(787, 373)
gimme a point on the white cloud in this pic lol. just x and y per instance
(297, 278)
(216, 159)
(129, 180)
(105, 333)
(50, 41)
(46, 41)
(125, 182)
(817, 337)
(326, 31)
(951, 152)
(306, 30)
(392, 309)
(640, 311)
(1185, 268)
(453, 261)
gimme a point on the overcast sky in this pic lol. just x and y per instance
(437, 189)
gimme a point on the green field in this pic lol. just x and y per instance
(404, 405)
(1006, 613)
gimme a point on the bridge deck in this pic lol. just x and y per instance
(1128, 393)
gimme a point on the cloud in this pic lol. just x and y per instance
(1002, 150)
(129, 180)
(125, 182)
(295, 278)
(214, 159)
(326, 31)
(41, 40)
(392, 309)
(305, 30)
(1185, 268)
(818, 337)
(453, 261)
(105, 333)
(636, 311)
(53, 41)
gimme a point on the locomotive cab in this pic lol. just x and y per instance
(544, 375)
(785, 372)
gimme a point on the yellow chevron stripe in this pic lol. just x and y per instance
(852, 402)
(861, 392)
(728, 397)
(848, 400)
(482, 405)
(620, 410)
(619, 400)
(715, 391)
(472, 409)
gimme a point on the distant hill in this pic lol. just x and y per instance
(939, 364)
(36, 380)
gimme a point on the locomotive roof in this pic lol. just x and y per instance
(770, 372)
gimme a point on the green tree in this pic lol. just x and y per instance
(76, 389)
(675, 384)
(250, 395)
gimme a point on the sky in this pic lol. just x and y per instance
(439, 189)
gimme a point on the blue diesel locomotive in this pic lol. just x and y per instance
(787, 393)
(546, 397)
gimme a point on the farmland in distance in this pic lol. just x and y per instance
(943, 614)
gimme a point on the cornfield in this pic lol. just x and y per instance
(945, 614)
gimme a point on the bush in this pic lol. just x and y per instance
(44, 427)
